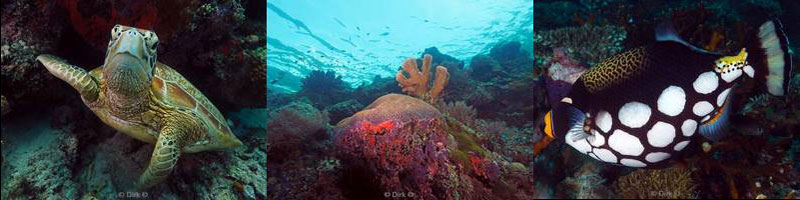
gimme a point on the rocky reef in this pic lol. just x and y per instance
(756, 160)
(55, 148)
(442, 141)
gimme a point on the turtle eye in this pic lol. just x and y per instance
(115, 32)
(154, 45)
(154, 41)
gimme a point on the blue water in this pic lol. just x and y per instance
(363, 39)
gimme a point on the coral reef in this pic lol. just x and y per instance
(416, 83)
(745, 166)
(489, 132)
(562, 72)
(588, 44)
(400, 143)
(292, 127)
(366, 94)
(442, 154)
(501, 78)
(555, 13)
(81, 157)
(460, 111)
(227, 54)
(484, 67)
(342, 110)
(46, 173)
(323, 88)
(440, 59)
(587, 183)
(28, 29)
(670, 183)
(507, 51)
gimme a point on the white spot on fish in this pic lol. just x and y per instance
(671, 101)
(656, 157)
(702, 108)
(706, 118)
(605, 155)
(603, 121)
(634, 114)
(731, 75)
(625, 144)
(722, 97)
(749, 71)
(706, 83)
(597, 139)
(689, 127)
(681, 145)
(661, 134)
(632, 163)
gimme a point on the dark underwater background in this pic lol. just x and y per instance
(54, 147)
(758, 158)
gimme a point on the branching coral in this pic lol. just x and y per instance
(668, 183)
(461, 111)
(586, 183)
(589, 44)
(416, 84)
(744, 166)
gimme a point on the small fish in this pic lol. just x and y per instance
(384, 33)
(641, 107)
(340, 22)
(358, 28)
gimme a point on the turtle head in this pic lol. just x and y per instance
(130, 60)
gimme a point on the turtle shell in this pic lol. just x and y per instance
(171, 88)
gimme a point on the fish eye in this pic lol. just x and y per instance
(587, 125)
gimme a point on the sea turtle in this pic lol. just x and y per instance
(148, 100)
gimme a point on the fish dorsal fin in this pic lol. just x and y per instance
(665, 32)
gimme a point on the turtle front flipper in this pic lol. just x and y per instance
(78, 78)
(165, 156)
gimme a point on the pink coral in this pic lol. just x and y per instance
(564, 68)
(562, 72)
(399, 140)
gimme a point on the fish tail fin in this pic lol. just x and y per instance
(769, 56)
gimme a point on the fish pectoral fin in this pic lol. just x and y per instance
(165, 156)
(77, 77)
(577, 135)
(716, 127)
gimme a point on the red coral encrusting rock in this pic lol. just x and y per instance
(398, 141)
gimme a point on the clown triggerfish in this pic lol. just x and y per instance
(641, 107)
